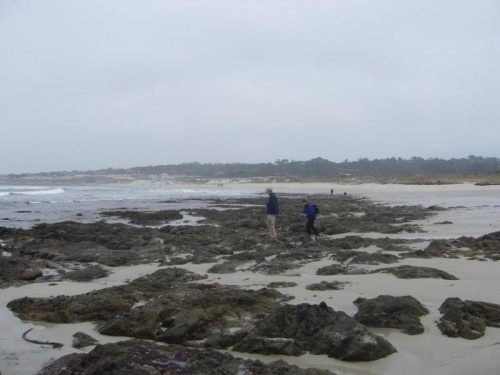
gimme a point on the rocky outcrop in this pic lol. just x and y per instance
(82, 340)
(374, 258)
(86, 274)
(30, 275)
(318, 329)
(142, 357)
(14, 268)
(467, 319)
(236, 234)
(169, 307)
(361, 257)
(391, 312)
(334, 269)
(281, 284)
(358, 242)
(146, 218)
(412, 272)
(175, 307)
(487, 245)
(325, 285)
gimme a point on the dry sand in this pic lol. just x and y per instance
(476, 212)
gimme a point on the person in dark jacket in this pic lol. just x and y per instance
(273, 210)
(311, 216)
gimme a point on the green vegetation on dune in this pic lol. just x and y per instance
(479, 170)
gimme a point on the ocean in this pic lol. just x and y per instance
(26, 206)
(474, 210)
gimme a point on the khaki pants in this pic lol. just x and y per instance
(271, 219)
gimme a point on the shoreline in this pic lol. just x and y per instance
(162, 180)
(430, 352)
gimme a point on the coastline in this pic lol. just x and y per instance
(164, 180)
(430, 352)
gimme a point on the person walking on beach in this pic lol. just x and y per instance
(272, 211)
(310, 213)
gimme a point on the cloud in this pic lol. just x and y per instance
(96, 84)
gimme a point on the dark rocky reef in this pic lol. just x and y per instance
(487, 246)
(392, 312)
(236, 232)
(325, 285)
(86, 274)
(362, 257)
(137, 357)
(467, 319)
(82, 340)
(169, 306)
(412, 272)
(293, 330)
(153, 218)
(180, 309)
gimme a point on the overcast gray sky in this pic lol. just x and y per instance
(91, 84)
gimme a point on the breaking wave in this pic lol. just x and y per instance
(32, 191)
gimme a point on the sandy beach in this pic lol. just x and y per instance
(472, 211)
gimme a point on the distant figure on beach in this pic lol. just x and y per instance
(272, 211)
(331, 192)
(310, 213)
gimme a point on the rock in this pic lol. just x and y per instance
(86, 274)
(142, 357)
(412, 272)
(236, 234)
(467, 319)
(375, 258)
(82, 340)
(337, 269)
(101, 304)
(226, 267)
(439, 246)
(489, 243)
(281, 284)
(274, 267)
(324, 285)
(317, 329)
(165, 306)
(30, 275)
(359, 257)
(146, 218)
(268, 346)
(12, 267)
(391, 312)
(334, 269)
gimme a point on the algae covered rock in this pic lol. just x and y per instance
(467, 319)
(317, 329)
(391, 312)
(137, 357)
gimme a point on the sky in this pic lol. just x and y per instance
(94, 84)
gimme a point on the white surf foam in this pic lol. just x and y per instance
(38, 192)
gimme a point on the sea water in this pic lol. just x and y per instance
(474, 210)
(25, 206)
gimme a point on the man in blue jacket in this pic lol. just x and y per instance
(272, 211)
(310, 213)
